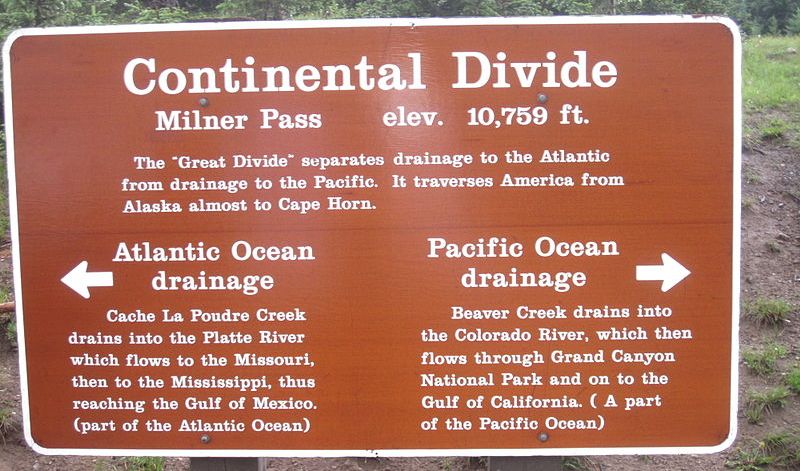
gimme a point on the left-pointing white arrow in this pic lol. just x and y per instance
(80, 280)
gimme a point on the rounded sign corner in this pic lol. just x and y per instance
(12, 38)
(35, 446)
(725, 444)
(732, 27)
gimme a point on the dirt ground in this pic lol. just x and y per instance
(770, 268)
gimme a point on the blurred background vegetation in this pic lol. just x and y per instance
(755, 17)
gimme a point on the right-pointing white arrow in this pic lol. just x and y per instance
(670, 272)
(80, 280)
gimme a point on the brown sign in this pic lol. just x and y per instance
(377, 238)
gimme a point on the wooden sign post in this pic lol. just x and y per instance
(377, 238)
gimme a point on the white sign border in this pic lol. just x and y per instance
(398, 23)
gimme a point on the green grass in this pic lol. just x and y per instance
(5, 224)
(765, 361)
(144, 463)
(792, 379)
(131, 463)
(577, 463)
(771, 72)
(784, 447)
(10, 322)
(764, 402)
(752, 178)
(751, 459)
(773, 129)
(765, 311)
(771, 95)
(11, 332)
(8, 423)
(776, 450)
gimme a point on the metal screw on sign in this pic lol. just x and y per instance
(204, 102)
(541, 98)
(543, 437)
(205, 439)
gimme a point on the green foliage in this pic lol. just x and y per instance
(131, 463)
(8, 423)
(755, 16)
(138, 12)
(765, 361)
(771, 72)
(748, 460)
(764, 311)
(735, 9)
(784, 448)
(144, 463)
(11, 323)
(792, 379)
(778, 450)
(774, 129)
(454, 8)
(771, 16)
(752, 459)
(29, 13)
(793, 25)
(752, 178)
(11, 332)
(16, 14)
(5, 224)
(765, 402)
(280, 9)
